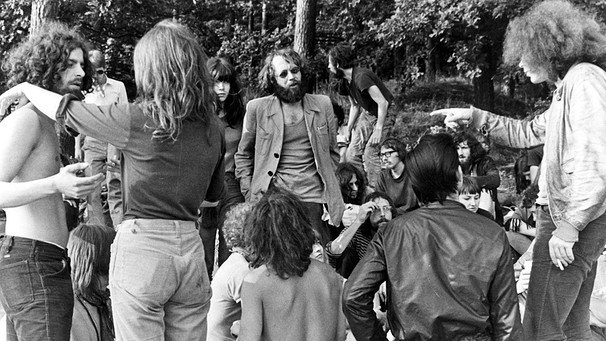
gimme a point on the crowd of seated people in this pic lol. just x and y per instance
(293, 241)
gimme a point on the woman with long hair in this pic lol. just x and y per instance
(172, 145)
(89, 251)
(230, 111)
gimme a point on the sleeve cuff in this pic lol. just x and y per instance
(566, 232)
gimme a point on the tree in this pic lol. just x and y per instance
(41, 12)
(305, 28)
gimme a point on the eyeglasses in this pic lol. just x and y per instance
(100, 72)
(387, 154)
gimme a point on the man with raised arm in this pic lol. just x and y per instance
(35, 284)
(558, 43)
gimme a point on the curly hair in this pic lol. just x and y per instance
(173, 82)
(267, 81)
(554, 35)
(233, 226)
(223, 71)
(279, 234)
(41, 58)
(345, 171)
(475, 147)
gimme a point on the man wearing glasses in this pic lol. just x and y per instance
(106, 91)
(393, 179)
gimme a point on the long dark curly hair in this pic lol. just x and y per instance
(41, 58)
(279, 234)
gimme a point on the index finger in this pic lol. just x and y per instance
(444, 112)
(90, 179)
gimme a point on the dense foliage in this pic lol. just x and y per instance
(403, 40)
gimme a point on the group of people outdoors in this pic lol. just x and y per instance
(263, 220)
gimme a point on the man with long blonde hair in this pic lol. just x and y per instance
(173, 148)
(558, 43)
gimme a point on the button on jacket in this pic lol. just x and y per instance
(261, 144)
(449, 277)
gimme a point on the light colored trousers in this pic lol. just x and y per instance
(158, 280)
(360, 152)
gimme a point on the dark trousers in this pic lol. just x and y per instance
(558, 301)
(35, 289)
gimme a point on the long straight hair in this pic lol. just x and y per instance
(89, 251)
(223, 71)
(173, 83)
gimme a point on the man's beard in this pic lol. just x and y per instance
(290, 94)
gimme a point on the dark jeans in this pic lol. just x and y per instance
(35, 289)
(558, 301)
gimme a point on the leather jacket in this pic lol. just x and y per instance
(449, 277)
(574, 132)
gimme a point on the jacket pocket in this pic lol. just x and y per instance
(263, 142)
(322, 136)
(568, 165)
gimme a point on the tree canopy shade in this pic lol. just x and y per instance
(400, 39)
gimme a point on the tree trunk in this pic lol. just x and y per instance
(42, 11)
(305, 28)
(430, 62)
(231, 18)
(483, 86)
(251, 16)
(263, 17)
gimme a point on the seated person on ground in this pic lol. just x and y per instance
(469, 195)
(352, 182)
(521, 224)
(287, 295)
(225, 303)
(89, 251)
(392, 179)
(476, 163)
(375, 213)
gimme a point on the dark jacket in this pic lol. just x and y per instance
(449, 277)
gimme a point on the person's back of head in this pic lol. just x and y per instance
(173, 82)
(343, 56)
(97, 58)
(45, 54)
(89, 251)
(433, 167)
(554, 35)
(279, 234)
(234, 225)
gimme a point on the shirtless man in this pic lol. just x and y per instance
(35, 284)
